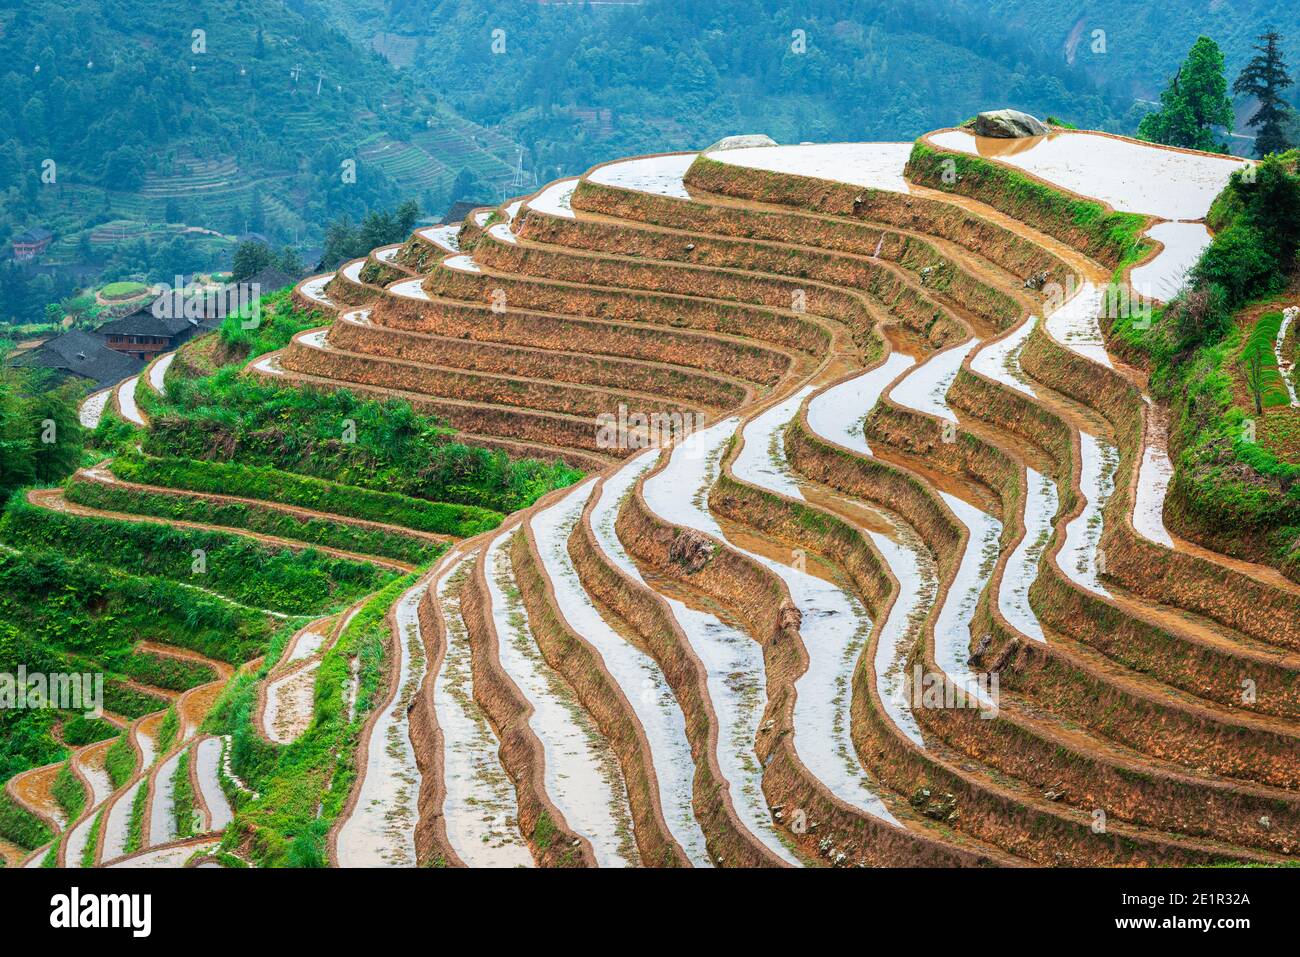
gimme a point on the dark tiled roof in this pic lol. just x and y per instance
(270, 279)
(31, 236)
(82, 354)
(143, 322)
(459, 210)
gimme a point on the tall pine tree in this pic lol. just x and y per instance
(1195, 101)
(1264, 78)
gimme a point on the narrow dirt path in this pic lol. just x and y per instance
(54, 499)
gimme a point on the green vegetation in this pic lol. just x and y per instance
(1194, 102)
(26, 735)
(123, 290)
(680, 76)
(246, 571)
(151, 135)
(130, 702)
(385, 446)
(1264, 78)
(68, 613)
(273, 485)
(343, 241)
(251, 257)
(80, 730)
(1112, 237)
(160, 671)
(69, 792)
(319, 769)
(183, 798)
(280, 321)
(92, 842)
(168, 728)
(120, 761)
(1233, 436)
(367, 541)
(324, 446)
(41, 438)
(21, 826)
(135, 823)
(1259, 364)
(93, 611)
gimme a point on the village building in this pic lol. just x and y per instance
(31, 243)
(83, 355)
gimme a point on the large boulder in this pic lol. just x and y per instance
(1008, 124)
(742, 142)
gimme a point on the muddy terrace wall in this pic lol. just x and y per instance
(1089, 225)
(823, 237)
(922, 311)
(490, 426)
(760, 601)
(1168, 729)
(987, 810)
(469, 386)
(380, 274)
(475, 322)
(1157, 726)
(344, 291)
(701, 284)
(307, 304)
(1202, 669)
(521, 752)
(649, 617)
(420, 255)
(782, 329)
(1014, 253)
(1189, 581)
(1125, 789)
(600, 694)
(713, 392)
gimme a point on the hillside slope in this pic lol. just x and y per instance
(580, 84)
(880, 564)
(235, 116)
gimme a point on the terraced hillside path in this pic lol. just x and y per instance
(103, 472)
(55, 500)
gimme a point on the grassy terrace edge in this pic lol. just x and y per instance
(302, 787)
(1091, 226)
(303, 491)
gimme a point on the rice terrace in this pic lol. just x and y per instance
(930, 502)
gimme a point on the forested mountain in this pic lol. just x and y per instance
(578, 83)
(147, 137)
(124, 122)
(1141, 44)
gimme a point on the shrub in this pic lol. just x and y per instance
(1241, 262)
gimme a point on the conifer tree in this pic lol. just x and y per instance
(1264, 78)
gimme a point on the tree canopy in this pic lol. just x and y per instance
(1194, 102)
(1264, 78)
